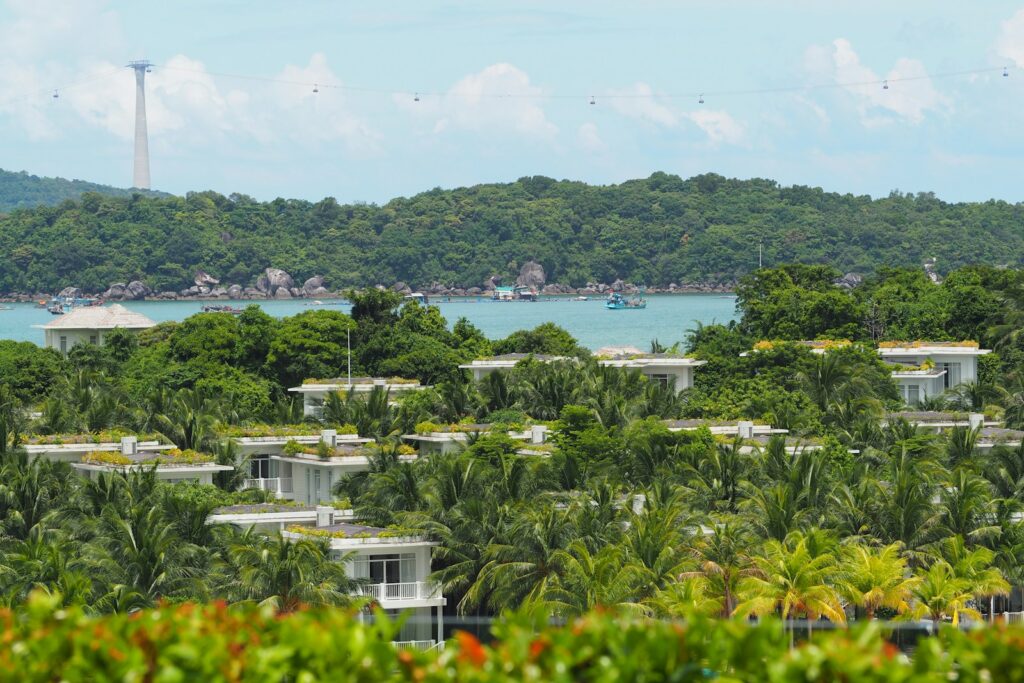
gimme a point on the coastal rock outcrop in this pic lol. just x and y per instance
(204, 279)
(235, 291)
(531, 275)
(136, 290)
(312, 285)
(273, 280)
(70, 293)
(401, 288)
(115, 292)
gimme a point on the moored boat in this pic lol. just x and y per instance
(617, 302)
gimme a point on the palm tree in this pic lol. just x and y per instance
(961, 443)
(285, 574)
(875, 577)
(586, 581)
(967, 507)
(189, 423)
(722, 563)
(138, 549)
(974, 565)
(12, 419)
(940, 593)
(789, 581)
(683, 599)
(522, 567)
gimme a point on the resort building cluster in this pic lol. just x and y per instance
(301, 468)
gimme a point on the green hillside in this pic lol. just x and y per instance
(20, 190)
(653, 231)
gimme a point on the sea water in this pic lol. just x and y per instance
(667, 318)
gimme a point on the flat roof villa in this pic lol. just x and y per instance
(395, 568)
(452, 438)
(745, 429)
(265, 471)
(276, 517)
(314, 391)
(991, 437)
(668, 369)
(931, 368)
(171, 466)
(90, 324)
(71, 448)
(816, 346)
(308, 478)
(481, 367)
(938, 421)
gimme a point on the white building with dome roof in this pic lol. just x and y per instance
(90, 325)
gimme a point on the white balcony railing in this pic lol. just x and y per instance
(416, 590)
(418, 645)
(1013, 617)
(276, 485)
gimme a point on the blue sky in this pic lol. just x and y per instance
(505, 93)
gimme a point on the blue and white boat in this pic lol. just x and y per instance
(617, 302)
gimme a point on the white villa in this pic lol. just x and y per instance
(90, 325)
(266, 469)
(816, 346)
(314, 391)
(745, 429)
(168, 470)
(938, 421)
(482, 367)
(71, 448)
(396, 570)
(273, 518)
(456, 437)
(931, 367)
(665, 368)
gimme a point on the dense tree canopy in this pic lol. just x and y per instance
(652, 231)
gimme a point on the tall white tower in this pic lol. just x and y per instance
(140, 171)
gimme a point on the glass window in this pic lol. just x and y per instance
(92, 338)
(63, 344)
(913, 394)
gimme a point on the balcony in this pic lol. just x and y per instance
(416, 590)
(418, 645)
(276, 485)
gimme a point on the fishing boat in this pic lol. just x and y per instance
(218, 308)
(56, 308)
(617, 302)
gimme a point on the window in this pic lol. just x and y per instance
(259, 467)
(92, 339)
(392, 568)
(316, 484)
(662, 380)
(952, 376)
(63, 344)
(913, 394)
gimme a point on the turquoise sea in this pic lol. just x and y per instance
(666, 318)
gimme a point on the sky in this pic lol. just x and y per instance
(417, 94)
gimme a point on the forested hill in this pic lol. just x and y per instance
(654, 231)
(21, 190)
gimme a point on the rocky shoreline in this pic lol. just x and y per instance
(275, 283)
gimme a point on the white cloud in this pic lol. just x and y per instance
(909, 100)
(1010, 43)
(719, 125)
(639, 101)
(589, 138)
(498, 98)
(40, 28)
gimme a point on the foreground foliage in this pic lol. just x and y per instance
(214, 643)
